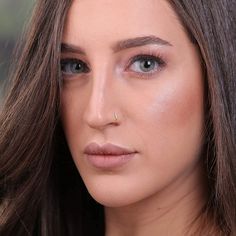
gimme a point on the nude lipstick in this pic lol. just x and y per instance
(108, 156)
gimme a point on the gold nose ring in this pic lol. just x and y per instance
(115, 117)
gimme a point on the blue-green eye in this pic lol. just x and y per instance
(73, 66)
(146, 64)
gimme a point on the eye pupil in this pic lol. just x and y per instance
(77, 67)
(147, 65)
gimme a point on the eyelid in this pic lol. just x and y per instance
(153, 55)
(71, 59)
(74, 60)
(144, 54)
(156, 57)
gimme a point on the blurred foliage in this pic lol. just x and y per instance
(14, 14)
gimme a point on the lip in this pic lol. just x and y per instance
(108, 156)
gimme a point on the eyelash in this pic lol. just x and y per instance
(153, 57)
(70, 61)
(157, 58)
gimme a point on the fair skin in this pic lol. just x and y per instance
(159, 112)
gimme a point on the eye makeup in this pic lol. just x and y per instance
(71, 66)
(143, 65)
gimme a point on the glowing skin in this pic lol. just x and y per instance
(160, 114)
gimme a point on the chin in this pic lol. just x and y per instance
(110, 199)
(113, 196)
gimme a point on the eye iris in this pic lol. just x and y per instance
(147, 65)
(69, 66)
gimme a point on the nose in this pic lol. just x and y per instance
(102, 104)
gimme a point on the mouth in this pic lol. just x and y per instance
(108, 156)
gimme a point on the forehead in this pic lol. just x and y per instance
(109, 20)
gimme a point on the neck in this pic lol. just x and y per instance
(169, 212)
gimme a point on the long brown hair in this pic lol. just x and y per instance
(41, 192)
(211, 24)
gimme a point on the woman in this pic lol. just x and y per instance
(120, 120)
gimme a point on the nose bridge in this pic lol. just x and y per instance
(97, 100)
(100, 105)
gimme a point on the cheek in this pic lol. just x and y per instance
(71, 114)
(170, 126)
(182, 107)
(172, 121)
(176, 105)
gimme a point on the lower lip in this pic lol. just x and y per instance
(109, 162)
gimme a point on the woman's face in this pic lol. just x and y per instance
(131, 78)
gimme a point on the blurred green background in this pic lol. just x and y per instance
(14, 15)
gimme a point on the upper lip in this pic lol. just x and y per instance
(106, 149)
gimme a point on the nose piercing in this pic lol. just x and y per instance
(115, 117)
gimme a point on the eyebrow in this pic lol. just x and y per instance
(66, 47)
(121, 45)
(139, 41)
